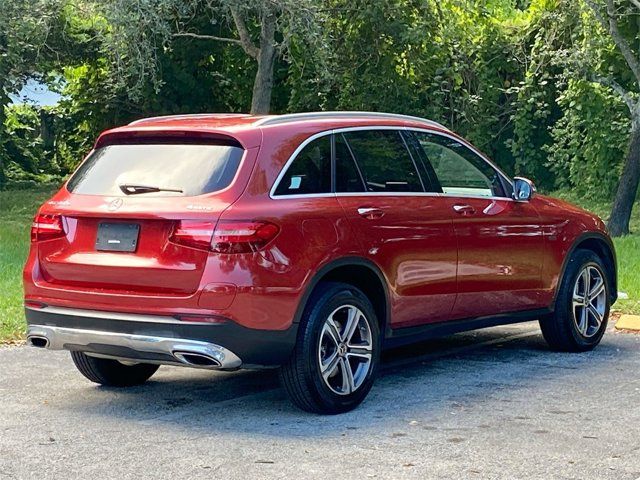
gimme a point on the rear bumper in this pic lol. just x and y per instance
(158, 339)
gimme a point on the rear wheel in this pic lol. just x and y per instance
(582, 307)
(112, 372)
(336, 357)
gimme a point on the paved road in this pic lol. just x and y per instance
(492, 404)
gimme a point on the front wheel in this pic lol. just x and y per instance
(111, 372)
(336, 357)
(582, 307)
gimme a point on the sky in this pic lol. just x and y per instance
(36, 93)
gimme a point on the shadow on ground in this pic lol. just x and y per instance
(432, 381)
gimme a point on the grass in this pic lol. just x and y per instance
(18, 207)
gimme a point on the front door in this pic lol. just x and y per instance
(500, 241)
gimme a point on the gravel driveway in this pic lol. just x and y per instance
(490, 404)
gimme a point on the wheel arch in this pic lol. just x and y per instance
(602, 246)
(362, 274)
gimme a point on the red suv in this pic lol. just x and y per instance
(309, 242)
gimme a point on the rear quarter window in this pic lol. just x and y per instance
(185, 169)
(310, 171)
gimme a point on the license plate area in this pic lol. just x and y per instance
(117, 237)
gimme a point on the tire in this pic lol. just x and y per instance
(323, 344)
(574, 327)
(111, 372)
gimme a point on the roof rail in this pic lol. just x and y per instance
(292, 117)
(189, 115)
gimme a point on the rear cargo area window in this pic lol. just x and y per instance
(157, 170)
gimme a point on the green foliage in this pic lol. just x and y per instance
(28, 145)
(586, 152)
(512, 76)
(452, 61)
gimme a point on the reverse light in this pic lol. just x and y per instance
(47, 227)
(242, 237)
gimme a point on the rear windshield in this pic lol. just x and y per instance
(157, 170)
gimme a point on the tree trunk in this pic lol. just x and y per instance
(263, 84)
(4, 100)
(628, 186)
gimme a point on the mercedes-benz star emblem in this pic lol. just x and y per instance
(115, 204)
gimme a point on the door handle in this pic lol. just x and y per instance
(464, 209)
(370, 213)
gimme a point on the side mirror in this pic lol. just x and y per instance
(523, 189)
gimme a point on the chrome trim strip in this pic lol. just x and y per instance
(292, 117)
(293, 156)
(60, 337)
(127, 317)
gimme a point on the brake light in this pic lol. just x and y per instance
(47, 227)
(242, 237)
(228, 236)
(193, 233)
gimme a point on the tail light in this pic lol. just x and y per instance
(193, 234)
(47, 227)
(226, 237)
(242, 237)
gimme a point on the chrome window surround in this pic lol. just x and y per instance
(293, 156)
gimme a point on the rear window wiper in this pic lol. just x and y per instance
(131, 189)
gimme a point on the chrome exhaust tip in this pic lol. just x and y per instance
(37, 341)
(194, 359)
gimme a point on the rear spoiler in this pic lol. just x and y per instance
(164, 135)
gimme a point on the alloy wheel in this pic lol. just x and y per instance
(589, 301)
(345, 350)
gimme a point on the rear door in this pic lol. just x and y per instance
(132, 214)
(500, 242)
(404, 229)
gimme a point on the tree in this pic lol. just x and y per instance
(25, 26)
(261, 28)
(619, 19)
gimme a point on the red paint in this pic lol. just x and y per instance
(495, 256)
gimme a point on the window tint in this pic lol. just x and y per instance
(429, 177)
(310, 171)
(460, 171)
(384, 161)
(191, 169)
(348, 177)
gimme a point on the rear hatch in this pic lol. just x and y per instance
(132, 213)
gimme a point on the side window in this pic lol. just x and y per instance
(429, 177)
(348, 177)
(460, 171)
(310, 171)
(384, 161)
